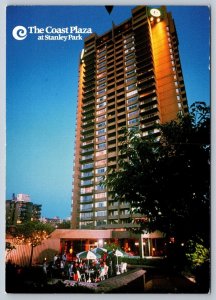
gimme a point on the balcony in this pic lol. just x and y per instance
(87, 157)
(150, 117)
(124, 216)
(85, 209)
(86, 218)
(87, 143)
(88, 101)
(113, 218)
(113, 207)
(149, 109)
(150, 124)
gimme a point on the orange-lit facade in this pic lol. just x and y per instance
(129, 77)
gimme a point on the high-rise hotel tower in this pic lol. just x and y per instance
(129, 77)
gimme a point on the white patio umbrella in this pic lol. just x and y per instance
(99, 250)
(88, 255)
(118, 254)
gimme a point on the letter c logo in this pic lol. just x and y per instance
(19, 33)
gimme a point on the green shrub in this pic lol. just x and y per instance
(133, 260)
(196, 254)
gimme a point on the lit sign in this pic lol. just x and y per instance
(155, 12)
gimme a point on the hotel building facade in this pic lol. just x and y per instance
(129, 77)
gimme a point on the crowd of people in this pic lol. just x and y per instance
(81, 270)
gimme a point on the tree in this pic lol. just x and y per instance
(64, 225)
(167, 180)
(32, 234)
(9, 248)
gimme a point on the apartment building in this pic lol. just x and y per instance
(20, 209)
(129, 77)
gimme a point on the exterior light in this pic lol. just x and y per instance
(82, 54)
(100, 242)
(151, 19)
(158, 20)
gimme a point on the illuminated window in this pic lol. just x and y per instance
(101, 105)
(100, 153)
(101, 204)
(101, 53)
(101, 146)
(129, 55)
(100, 195)
(86, 198)
(88, 215)
(130, 61)
(131, 93)
(100, 163)
(101, 138)
(98, 179)
(102, 124)
(133, 121)
(101, 75)
(101, 98)
(101, 111)
(86, 182)
(101, 58)
(86, 174)
(86, 190)
(131, 72)
(132, 106)
(86, 206)
(101, 213)
(87, 166)
(101, 85)
(101, 69)
(99, 187)
(101, 118)
(101, 91)
(131, 100)
(101, 170)
(131, 86)
(101, 64)
(130, 78)
(101, 131)
(133, 113)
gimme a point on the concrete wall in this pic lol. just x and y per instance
(130, 282)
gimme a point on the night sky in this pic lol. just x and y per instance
(42, 81)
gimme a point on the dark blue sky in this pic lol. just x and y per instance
(42, 79)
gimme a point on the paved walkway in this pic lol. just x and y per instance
(170, 284)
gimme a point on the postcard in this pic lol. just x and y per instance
(108, 149)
